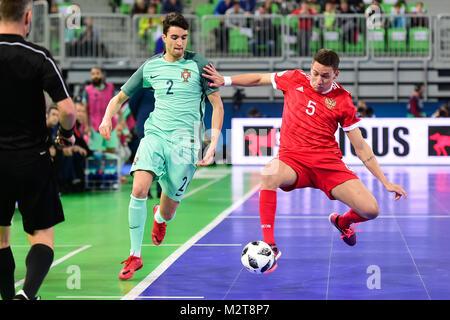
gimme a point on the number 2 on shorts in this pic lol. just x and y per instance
(182, 187)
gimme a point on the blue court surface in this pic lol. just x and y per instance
(403, 254)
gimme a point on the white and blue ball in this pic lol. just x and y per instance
(257, 257)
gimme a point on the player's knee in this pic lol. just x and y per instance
(269, 182)
(371, 210)
(139, 192)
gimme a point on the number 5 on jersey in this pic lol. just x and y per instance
(311, 108)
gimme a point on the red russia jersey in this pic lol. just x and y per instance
(310, 119)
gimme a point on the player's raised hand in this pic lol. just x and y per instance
(105, 129)
(399, 191)
(215, 78)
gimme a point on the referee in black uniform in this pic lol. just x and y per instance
(26, 70)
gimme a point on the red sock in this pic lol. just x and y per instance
(348, 218)
(267, 210)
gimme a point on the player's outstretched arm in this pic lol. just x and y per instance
(113, 108)
(365, 154)
(242, 80)
(216, 128)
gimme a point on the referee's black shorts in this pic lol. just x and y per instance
(27, 177)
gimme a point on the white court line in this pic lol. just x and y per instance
(326, 217)
(206, 185)
(67, 256)
(414, 261)
(144, 284)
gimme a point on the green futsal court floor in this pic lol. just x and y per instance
(93, 241)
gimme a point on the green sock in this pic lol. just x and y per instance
(137, 215)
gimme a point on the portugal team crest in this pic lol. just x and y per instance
(330, 103)
(185, 75)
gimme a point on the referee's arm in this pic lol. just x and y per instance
(55, 86)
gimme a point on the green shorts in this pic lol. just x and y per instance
(172, 164)
(97, 143)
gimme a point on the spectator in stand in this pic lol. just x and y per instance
(442, 112)
(264, 34)
(349, 26)
(420, 21)
(398, 20)
(364, 111)
(82, 121)
(89, 43)
(374, 14)
(305, 26)
(52, 121)
(169, 6)
(415, 105)
(248, 6)
(330, 16)
(221, 33)
(286, 6)
(222, 6)
(235, 22)
(139, 7)
(357, 6)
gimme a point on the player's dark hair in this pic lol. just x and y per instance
(14, 10)
(327, 58)
(174, 19)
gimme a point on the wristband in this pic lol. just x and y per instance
(66, 133)
(227, 81)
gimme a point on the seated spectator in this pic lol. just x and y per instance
(357, 6)
(222, 6)
(364, 111)
(286, 6)
(397, 21)
(350, 25)
(442, 112)
(89, 43)
(150, 31)
(253, 112)
(168, 6)
(374, 14)
(221, 33)
(248, 6)
(420, 21)
(264, 35)
(305, 26)
(235, 22)
(330, 16)
(140, 7)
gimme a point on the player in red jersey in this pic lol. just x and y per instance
(309, 156)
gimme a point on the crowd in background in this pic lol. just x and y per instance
(70, 163)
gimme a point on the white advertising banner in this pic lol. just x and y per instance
(393, 140)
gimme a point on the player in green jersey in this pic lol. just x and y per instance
(169, 151)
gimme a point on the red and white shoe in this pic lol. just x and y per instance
(159, 229)
(132, 264)
(277, 254)
(348, 234)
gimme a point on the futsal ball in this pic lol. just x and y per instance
(257, 257)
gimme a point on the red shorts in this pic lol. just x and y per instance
(319, 173)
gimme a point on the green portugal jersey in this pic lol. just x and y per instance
(180, 95)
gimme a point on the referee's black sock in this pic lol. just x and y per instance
(38, 262)
(7, 267)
